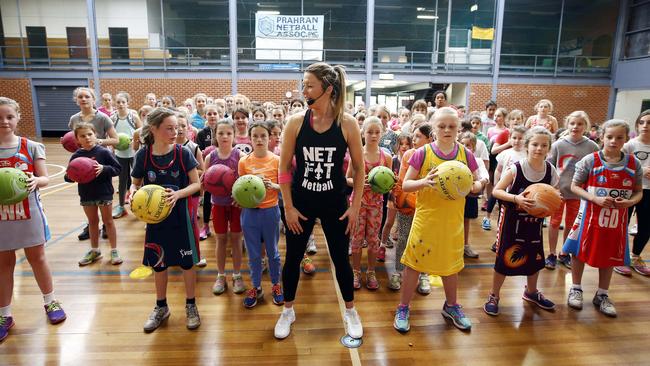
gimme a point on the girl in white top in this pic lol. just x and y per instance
(125, 121)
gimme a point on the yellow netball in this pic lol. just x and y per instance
(454, 180)
(148, 204)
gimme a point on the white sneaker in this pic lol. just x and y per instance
(353, 323)
(311, 245)
(283, 326)
(634, 229)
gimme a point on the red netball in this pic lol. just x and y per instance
(502, 137)
(218, 180)
(81, 170)
(547, 199)
(208, 150)
(69, 142)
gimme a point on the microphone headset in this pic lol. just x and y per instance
(311, 101)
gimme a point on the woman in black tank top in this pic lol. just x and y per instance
(319, 139)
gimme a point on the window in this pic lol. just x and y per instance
(637, 36)
(37, 41)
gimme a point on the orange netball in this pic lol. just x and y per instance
(547, 199)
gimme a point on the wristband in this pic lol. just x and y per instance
(284, 178)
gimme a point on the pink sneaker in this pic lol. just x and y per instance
(357, 279)
(623, 270)
(204, 233)
(371, 280)
(639, 266)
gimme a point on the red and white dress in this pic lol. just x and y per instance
(598, 236)
(23, 224)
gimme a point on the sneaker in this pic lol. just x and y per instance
(90, 257)
(353, 323)
(238, 285)
(551, 261)
(605, 305)
(308, 265)
(493, 248)
(283, 326)
(424, 285)
(54, 312)
(457, 316)
(103, 233)
(193, 319)
(119, 211)
(565, 260)
(202, 263)
(634, 229)
(484, 205)
(623, 270)
(395, 282)
(84, 234)
(538, 299)
(491, 307)
(401, 322)
(276, 292)
(157, 316)
(252, 297)
(381, 254)
(204, 233)
(470, 253)
(6, 323)
(115, 257)
(356, 283)
(364, 244)
(371, 280)
(311, 245)
(639, 266)
(388, 244)
(485, 225)
(220, 285)
(575, 298)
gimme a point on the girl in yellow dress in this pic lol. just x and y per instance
(435, 244)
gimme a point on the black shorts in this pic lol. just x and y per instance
(471, 207)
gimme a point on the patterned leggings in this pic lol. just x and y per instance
(367, 228)
(404, 223)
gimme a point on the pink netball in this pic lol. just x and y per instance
(69, 142)
(218, 180)
(208, 150)
(547, 199)
(81, 170)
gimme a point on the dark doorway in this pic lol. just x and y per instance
(119, 40)
(37, 42)
(77, 43)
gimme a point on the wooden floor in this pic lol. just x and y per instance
(106, 310)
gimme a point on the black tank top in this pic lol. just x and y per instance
(319, 162)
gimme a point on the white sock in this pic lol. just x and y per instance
(601, 291)
(577, 287)
(236, 274)
(350, 310)
(96, 250)
(48, 298)
(287, 310)
(5, 311)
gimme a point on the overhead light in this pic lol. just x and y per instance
(473, 8)
(268, 12)
(386, 76)
(427, 17)
(263, 5)
(421, 9)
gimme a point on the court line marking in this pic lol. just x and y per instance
(60, 172)
(69, 185)
(47, 188)
(354, 352)
(50, 243)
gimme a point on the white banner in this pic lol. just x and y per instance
(294, 27)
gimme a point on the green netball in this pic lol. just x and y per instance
(124, 141)
(13, 186)
(248, 191)
(381, 179)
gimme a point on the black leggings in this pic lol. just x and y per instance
(207, 207)
(642, 218)
(125, 177)
(337, 241)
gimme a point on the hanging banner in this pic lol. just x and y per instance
(296, 27)
(482, 33)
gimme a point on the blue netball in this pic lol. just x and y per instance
(248, 191)
(381, 179)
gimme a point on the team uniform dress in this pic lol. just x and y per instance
(436, 241)
(520, 243)
(23, 225)
(598, 236)
(174, 241)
